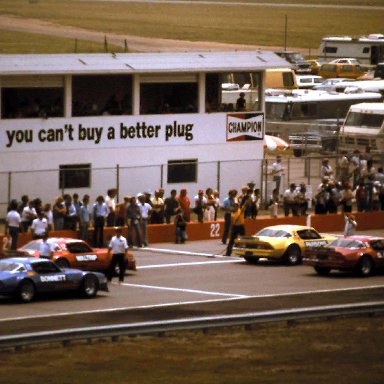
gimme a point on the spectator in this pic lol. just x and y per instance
(157, 203)
(59, 212)
(216, 196)
(347, 198)
(321, 200)
(360, 196)
(39, 226)
(380, 176)
(47, 211)
(229, 206)
(344, 168)
(274, 203)
(368, 175)
(70, 217)
(302, 200)
(180, 227)
(23, 204)
(12, 224)
(85, 216)
(326, 169)
(289, 200)
(27, 216)
(376, 196)
(277, 172)
(200, 205)
(171, 206)
(185, 204)
(133, 215)
(209, 212)
(99, 214)
(121, 209)
(110, 200)
(145, 215)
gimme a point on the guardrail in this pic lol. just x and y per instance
(68, 336)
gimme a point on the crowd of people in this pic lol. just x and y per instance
(358, 182)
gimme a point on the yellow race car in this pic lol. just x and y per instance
(280, 242)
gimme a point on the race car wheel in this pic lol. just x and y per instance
(365, 266)
(62, 263)
(26, 291)
(322, 270)
(252, 260)
(89, 286)
(292, 255)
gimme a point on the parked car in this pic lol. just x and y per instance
(314, 66)
(345, 60)
(300, 65)
(351, 71)
(361, 254)
(329, 84)
(308, 81)
(279, 242)
(379, 71)
(25, 277)
(75, 253)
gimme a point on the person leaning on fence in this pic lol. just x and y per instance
(118, 246)
(289, 200)
(12, 224)
(99, 214)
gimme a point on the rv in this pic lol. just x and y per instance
(363, 127)
(289, 112)
(136, 121)
(367, 49)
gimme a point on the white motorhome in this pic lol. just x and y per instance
(363, 127)
(88, 122)
(367, 49)
(302, 110)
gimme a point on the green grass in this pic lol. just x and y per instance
(230, 24)
(20, 42)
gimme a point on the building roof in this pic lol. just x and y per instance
(130, 63)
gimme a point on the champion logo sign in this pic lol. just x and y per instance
(245, 126)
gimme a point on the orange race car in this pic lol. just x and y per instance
(75, 253)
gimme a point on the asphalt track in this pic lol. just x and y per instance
(182, 281)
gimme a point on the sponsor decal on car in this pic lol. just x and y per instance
(86, 258)
(317, 243)
(48, 279)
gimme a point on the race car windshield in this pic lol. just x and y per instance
(11, 267)
(345, 243)
(273, 233)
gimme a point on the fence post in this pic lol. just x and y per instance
(118, 181)
(218, 177)
(9, 186)
(161, 175)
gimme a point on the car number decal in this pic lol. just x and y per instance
(317, 243)
(86, 258)
(47, 279)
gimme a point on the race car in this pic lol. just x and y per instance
(360, 254)
(24, 277)
(75, 253)
(279, 242)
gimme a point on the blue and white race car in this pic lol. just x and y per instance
(24, 277)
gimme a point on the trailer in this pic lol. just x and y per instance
(367, 49)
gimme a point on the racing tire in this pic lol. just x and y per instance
(323, 271)
(26, 291)
(89, 286)
(292, 255)
(365, 267)
(62, 263)
(251, 260)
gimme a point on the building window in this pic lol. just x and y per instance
(157, 98)
(366, 49)
(102, 95)
(20, 103)
(182, 171)
(228, 92)
(75, 176)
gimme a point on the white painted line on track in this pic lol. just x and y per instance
(171, 304)
(189, 264)
(184, 290)
(181, 252)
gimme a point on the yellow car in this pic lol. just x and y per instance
(280, 242)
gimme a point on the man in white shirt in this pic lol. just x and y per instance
(39, 226)
(119, 248)
(289, 200)
(277, 172)
(46, 249)
(146, 210)
(12, 224)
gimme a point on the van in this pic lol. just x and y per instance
(350, 71)
(281, 78)
(308, 81)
